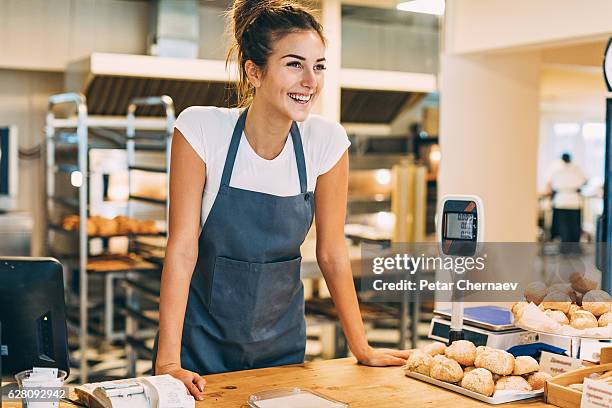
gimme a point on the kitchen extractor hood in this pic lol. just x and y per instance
(110, 81)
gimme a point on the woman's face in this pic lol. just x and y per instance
(294, 75)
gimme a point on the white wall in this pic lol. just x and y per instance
(23, 102)
(493, 25)
(489, 107)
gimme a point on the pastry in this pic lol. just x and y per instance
(582, 283)
(517, 309)
(558, 316)
(468, 369)
(147, 227)
(419, 362)
(481, 349)
(583, 320)
(537, 380)
(462, 351)
(433, 349)
(535, 292)
(597, 302)
(563, 288)
(445, 369)
(572, 310)
(513, 382)
(557, 301)
(479, 380)
(605, 319)
(525, 365)
(497, 361)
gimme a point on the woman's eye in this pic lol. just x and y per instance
(296, 64)
(320, 67)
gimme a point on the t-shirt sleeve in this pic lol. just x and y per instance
(336, 143)
(189, 123)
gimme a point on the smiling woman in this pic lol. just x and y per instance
(244, 186)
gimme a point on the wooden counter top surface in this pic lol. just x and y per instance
(342, 379)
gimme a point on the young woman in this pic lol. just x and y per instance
(244, 187)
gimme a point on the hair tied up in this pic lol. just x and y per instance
(254, 26)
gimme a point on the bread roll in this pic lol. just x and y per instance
(147, 227)
(557, 301)
(479, 380)
(582, 283)
(563, 288)
(535, 292)
(537, 380)
(573, 309)
(558, 316)
(435, 348)
(468, 369)
(605, 319)
(583, 320)
(517, 309)
(597, 302)
(419, 362)
(525, 365)
(496, 361)
(462, 351)
(514, 383)
(445, 369)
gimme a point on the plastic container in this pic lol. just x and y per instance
(294, 398)
(39, 390)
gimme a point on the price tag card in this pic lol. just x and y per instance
(555, 364)
(596, 394)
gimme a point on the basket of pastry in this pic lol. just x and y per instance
(483, 373)
(566, 390)
(575, 309)
(106, 227)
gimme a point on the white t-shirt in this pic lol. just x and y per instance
(209, 131)
(566, 179)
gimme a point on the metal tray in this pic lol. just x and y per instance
(493, 318)
(497, 398)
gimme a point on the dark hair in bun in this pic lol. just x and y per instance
(255, 25)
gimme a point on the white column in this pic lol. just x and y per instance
(329, 100)
(489, 124)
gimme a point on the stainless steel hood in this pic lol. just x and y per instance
(110, 81)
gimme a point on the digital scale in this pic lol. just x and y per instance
(460, 230)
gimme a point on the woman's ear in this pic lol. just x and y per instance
(253, 73)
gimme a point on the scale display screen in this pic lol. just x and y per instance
(460, 225)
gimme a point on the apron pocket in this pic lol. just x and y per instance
(252, 298)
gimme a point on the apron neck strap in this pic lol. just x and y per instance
(235, 142)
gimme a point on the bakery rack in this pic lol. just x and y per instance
(142, 290)
(71, 135)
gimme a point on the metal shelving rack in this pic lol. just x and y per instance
(64, 136)
(142, 295)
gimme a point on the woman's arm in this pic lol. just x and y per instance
(332, 257)
(187, 179)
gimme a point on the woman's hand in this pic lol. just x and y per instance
(380, 357)
(194, 382)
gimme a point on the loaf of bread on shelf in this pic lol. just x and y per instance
(104, 226)
(147, 227)
(126, 225)
(583, 319)
(479, 380)
(512, 382)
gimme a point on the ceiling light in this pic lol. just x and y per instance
(435, 7)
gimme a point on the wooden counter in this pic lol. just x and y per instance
(343, 380)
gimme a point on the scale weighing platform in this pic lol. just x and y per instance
(484, 326)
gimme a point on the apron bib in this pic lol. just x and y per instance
(246, 300)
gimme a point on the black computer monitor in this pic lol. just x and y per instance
(32, 313)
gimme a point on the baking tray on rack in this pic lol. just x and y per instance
(500, 397)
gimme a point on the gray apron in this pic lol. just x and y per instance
(246, 300)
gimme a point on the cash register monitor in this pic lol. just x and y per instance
(32, 314)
